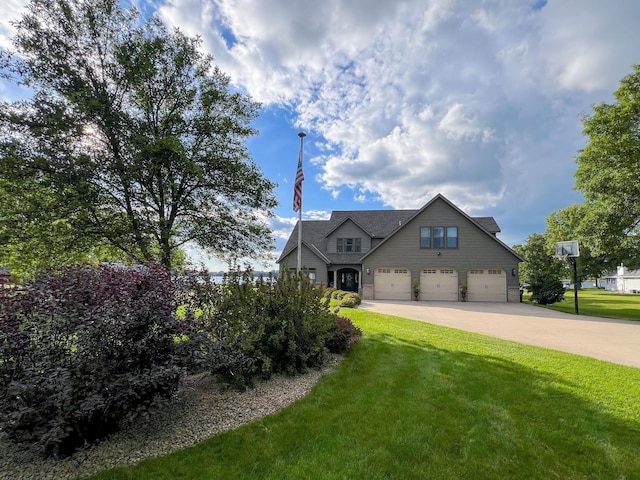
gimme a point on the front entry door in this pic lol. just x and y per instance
(349, 281)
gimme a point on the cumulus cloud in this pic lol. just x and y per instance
(480, 102)
(422, 97)
(10, 10)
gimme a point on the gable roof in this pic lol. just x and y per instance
(376, 223)
(312, 237)
(379, 224)
(489, 221)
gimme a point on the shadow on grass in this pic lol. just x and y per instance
(400, 408)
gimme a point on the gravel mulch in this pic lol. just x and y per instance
(201, 409)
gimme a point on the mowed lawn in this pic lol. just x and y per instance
(417, 401)
(599, 303)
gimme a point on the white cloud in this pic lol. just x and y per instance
(477, 100)
(10, 10)
(458, 126)
(589, 45)
(481, 103)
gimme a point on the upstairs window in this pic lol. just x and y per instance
(349, 245)
(438, 237)
(425, 237)
(452, 237)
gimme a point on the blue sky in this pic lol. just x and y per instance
(478, 100)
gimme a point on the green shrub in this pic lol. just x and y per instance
(218, 325)
(248, 328)
(338, 294)
(350, 300)
(328, 292)
(297, 324)
(82, 350)
(547, 291)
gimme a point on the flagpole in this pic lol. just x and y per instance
(301, 135)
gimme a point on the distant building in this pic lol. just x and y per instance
(622, 280)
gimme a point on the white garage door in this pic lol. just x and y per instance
(487, 285)
(392, 284)
(439, 284)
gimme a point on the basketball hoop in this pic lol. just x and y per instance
(569, 251)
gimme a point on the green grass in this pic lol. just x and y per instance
(599, 303)
(413, 400)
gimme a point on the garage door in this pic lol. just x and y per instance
(392, 284)
(487, 285)
(439, 284)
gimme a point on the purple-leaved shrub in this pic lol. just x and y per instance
(82, 350)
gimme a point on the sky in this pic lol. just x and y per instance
(480, 101)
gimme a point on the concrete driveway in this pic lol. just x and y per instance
(616, 341)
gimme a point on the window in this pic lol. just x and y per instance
(348, 245)
(312, 275)
(438, 237)
(425, 237)
(452, 237)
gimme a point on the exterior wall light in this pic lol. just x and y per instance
(368, 271)
(513, 272)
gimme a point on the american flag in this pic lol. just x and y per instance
(297, 189)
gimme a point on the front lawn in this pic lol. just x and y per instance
(598, 303)
(413, 400)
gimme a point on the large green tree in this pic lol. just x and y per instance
(133, 135)
(34, 235)
(609, 174)
(569, 224)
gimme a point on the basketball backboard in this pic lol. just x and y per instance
(568, 248)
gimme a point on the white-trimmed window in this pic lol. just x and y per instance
(425, 237)
(452, 237)
(348, 245)
(439, 237)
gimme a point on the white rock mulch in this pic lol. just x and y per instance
(201, 409)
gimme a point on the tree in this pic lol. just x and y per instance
(34, 236)
(609, 174)
(541, 270)
(134, 136)
(569, 224)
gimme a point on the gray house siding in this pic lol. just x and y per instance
(476, 248)
(309, 261)
(390, 245)
(348, 230)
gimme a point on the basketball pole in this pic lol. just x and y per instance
(574, 262)
(571, 253)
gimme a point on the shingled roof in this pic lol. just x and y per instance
(376, 223)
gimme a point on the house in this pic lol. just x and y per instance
(382, 254)
(622, 280)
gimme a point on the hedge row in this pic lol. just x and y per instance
(345, 299)
(87, 349)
